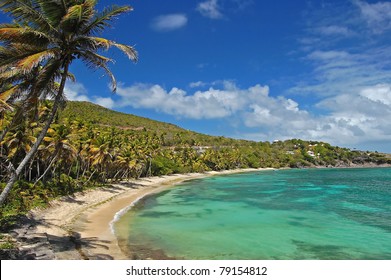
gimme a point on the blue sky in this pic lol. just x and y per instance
(259, 70)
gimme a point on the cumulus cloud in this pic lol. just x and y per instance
(105, 102)
(380, 93)
(362, 116)
(210, 104)
(351, 119)
(253, 108)
(210, 9)
(76, 92)
(165, 23)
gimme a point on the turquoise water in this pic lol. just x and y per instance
(283, 214)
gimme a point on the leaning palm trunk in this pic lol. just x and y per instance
(15, 173)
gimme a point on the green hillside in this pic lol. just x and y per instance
(100, 116)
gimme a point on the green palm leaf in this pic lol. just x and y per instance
(102, 20)
(31, 61)
(53, 11)
(27, 12)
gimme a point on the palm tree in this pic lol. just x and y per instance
(127, 162)
(47, 36)
(19, 142)
(59, 148)
(101, 155)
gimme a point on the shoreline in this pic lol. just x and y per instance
(80, 227)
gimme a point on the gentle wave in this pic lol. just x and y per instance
(122, 212)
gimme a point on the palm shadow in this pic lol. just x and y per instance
(44, 246)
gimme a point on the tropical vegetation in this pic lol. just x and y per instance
(36, 52)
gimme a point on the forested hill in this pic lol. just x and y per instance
(290, 153)
(96, 114)
(173, 134)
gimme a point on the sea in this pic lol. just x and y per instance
(294, 214)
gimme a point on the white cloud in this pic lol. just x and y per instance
(352, 119)
(350, 76)
(105, 102)
(334, 30)
(76, 92)
(363, 116)
(169, 22)
(197, 84)
(380, 93)
(328, 55)
(340, 71)
(377, 15)
(210, 104)
(252, 107)
(210, 9)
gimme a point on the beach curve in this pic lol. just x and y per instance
(80, 227)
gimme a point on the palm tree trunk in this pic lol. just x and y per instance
(47, 169)
(38, 169)
(15, 173)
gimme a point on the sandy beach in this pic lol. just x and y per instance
(79, 227)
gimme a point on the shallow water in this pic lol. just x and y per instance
(283, 214)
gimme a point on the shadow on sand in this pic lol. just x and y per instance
(33, 245)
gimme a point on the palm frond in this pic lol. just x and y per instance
(88, 13)
(53, 11)
(23, 35)
(102, 20)
(25, 11)
(78, 15)
(106, 44)
(7, 94)
(94, 57)
(9, 74)
(14, 53)
(74, 13)
(49, 73)
(128, 50)
(5, 107)
(100, 42)
(96, 61)
(31, 61)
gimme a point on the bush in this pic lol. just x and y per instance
(164, 166)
